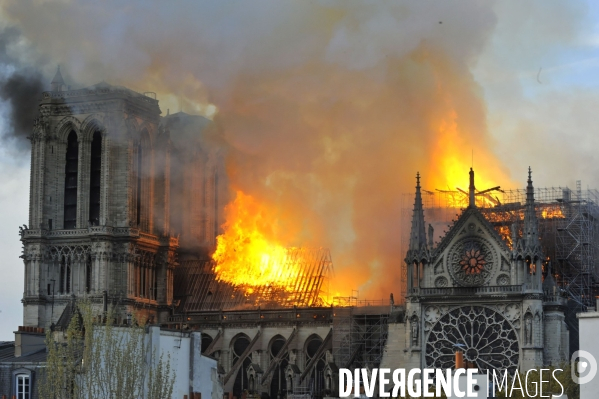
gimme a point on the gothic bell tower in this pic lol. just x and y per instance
(99, 204)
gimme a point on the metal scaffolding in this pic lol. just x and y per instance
(197, 288)
(568, 228)
(360, 330)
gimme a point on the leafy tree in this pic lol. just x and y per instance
(96, 359)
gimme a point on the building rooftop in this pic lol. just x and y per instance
(7, 354)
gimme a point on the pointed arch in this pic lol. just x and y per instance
(238, 345)
(92, 124)
(65, 126)
(278, 382)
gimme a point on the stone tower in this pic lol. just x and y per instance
(99, 213)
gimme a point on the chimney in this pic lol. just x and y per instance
(29, 340)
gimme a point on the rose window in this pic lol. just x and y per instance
(471, 262)
(485, 337)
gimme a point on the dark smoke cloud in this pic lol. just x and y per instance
(21, 86)
(22, 92)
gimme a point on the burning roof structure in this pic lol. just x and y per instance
(306, 273)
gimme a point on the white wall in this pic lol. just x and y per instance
(588, 327)
(178, 346)
(193, 372)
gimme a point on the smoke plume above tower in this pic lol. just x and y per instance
(325, 110)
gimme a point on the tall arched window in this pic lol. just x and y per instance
(278, 384)
(70, 182)
(139, 181)
(65, 275)
(316, 380)
(95, 176)
(142, 164)
(241, 380)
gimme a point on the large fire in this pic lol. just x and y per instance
(251, 254)
(246, 253)
(249, 257)
(452, 156)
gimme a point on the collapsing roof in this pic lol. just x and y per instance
(197, 288)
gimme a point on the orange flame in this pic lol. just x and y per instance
(246, 253)
(554, 212)
(452, 156)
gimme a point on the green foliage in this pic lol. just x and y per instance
(101, 360)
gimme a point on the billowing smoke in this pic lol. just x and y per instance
(328, 108)
(21, 85)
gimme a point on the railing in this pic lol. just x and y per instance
(314, 314)
(558, 299)
(97, 91)
(451, 291)
(98, 230)
(113, 231)
(355, 302)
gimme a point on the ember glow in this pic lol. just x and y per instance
(552, 212)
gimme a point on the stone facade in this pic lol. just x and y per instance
(275, 351)
(100, 215)
(480, 294)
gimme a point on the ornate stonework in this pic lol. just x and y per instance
(471, 262)
(485, 337)
(475, 291)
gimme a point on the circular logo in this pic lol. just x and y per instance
(584, 367)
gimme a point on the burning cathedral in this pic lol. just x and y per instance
(115, 217)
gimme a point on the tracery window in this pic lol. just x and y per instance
(486, 337)
(70, 268)
(316, 379)
(278, 385)
(239, 346)
(65, 275)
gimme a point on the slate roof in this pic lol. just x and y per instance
(7, 355)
